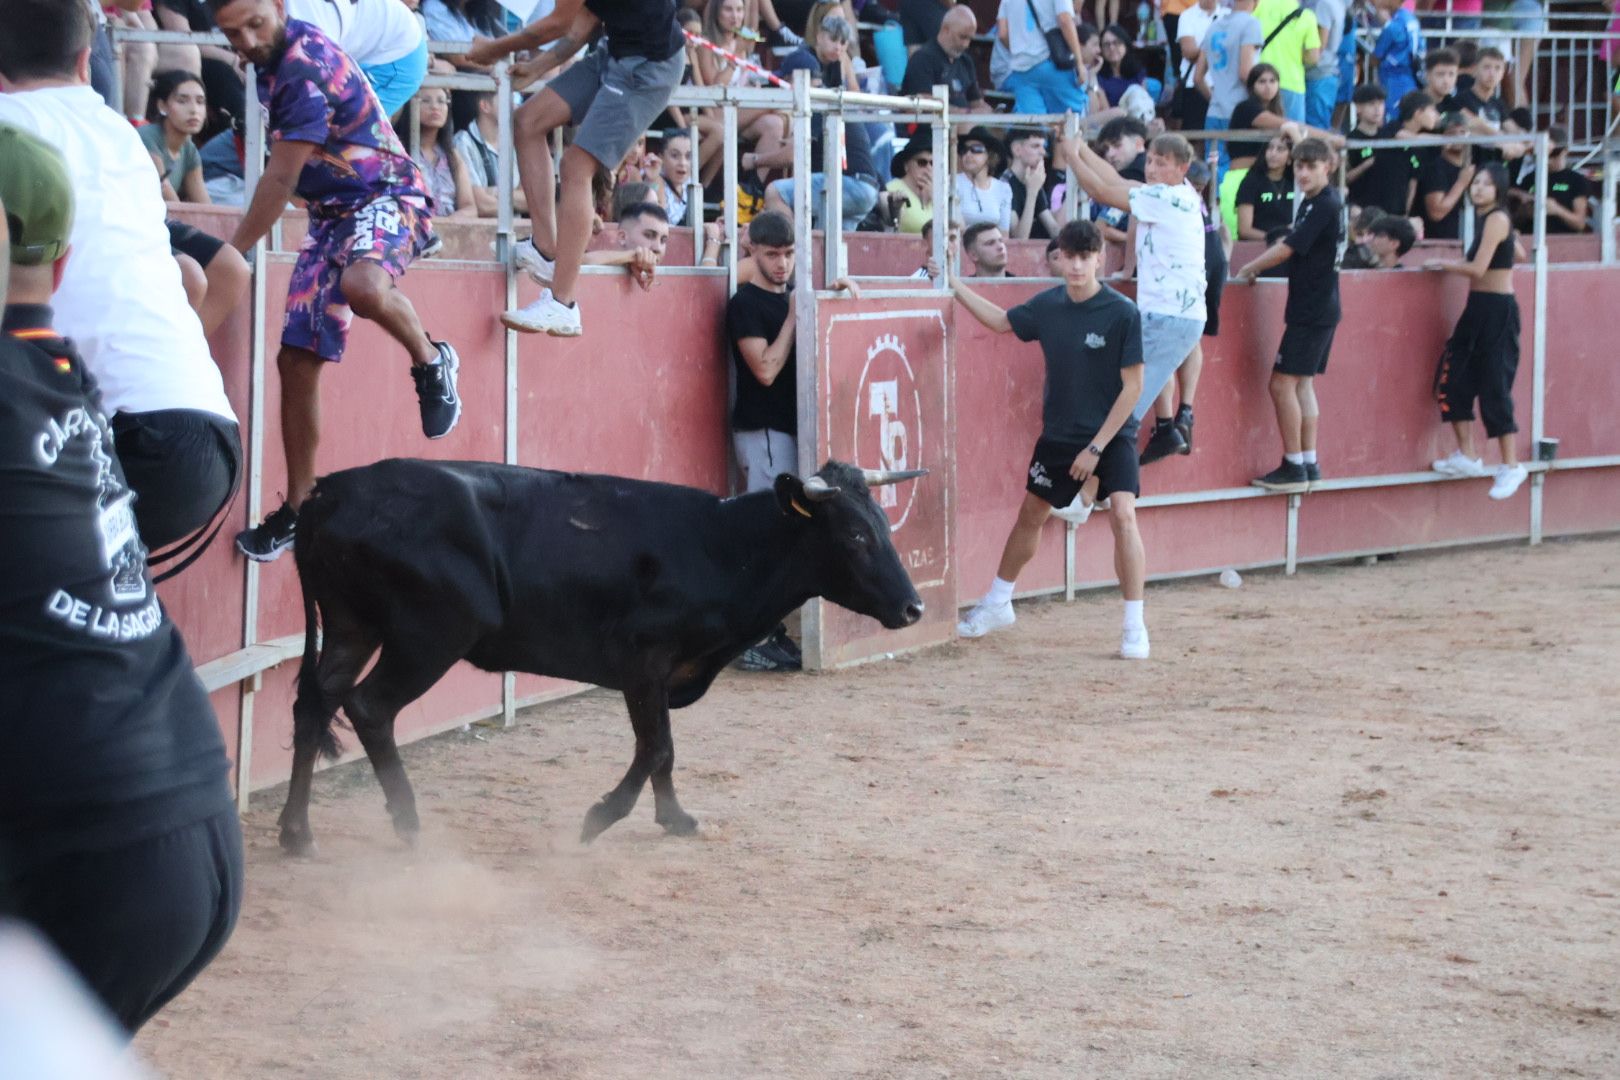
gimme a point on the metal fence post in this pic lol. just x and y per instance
(503, 254)
(253, 168)
(1606, 208)
(939, 136)
(804, 341)
(832, 176)
(728, 153)
(1538, 387)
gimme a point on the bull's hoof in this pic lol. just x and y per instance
(597, 818)
(407, 827)
(297, 842)
(678, 823)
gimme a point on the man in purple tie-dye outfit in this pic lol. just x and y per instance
(369, 215)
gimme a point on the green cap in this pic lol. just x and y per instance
(37, 195)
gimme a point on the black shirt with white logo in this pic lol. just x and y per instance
(759, 313)
(1313, 268)
(1492, 111)
(106, 735)
(1086, 345)
(639, 27)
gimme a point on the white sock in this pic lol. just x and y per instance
(1000, 593)
(1133, 615)
(1310, 457)
(1294, 459)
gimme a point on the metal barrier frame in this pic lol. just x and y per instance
(802, 102)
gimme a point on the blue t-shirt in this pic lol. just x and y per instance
(317, 94)
(1400, 53)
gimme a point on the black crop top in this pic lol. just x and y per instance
(1502, 257)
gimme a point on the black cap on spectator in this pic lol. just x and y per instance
(1521, 117)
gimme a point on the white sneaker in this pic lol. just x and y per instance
(1076, 512)
(1458, 463)
(1508, 479)
(1133, 644)
(528, 259)
(984, 618)
(545, 316)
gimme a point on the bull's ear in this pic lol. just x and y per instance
(792, 497)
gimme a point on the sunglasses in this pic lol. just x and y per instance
(973, 148)
(923, 162)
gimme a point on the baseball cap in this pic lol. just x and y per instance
(38, 197)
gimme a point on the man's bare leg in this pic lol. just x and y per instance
(532, 126)
(1025, 537)
(1308, 414)
(1285, 399)
(300, 418)
(574, 214)
(371, 292)
(1130, 561)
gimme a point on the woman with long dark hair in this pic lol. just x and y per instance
(1121, 68)
(446, 174)
(1482, 356)
(176, 111)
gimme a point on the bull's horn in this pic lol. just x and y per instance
(879, 477)
(818, 490)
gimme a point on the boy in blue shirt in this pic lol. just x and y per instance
(1399, 53)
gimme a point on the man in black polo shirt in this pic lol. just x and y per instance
(118, 836)
(1091, 338)
(943, 61)
(1311, 250)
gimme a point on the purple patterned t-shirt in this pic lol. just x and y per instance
(317, 94)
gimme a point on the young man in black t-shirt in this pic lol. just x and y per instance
(118, 835)
(1481, 103)
(1311, 251)
(1569, 192)
(1396, 169)
(1360, 161)
(1091, 338)
(1443, 185)
(760, 326)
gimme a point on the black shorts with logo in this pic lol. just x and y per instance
(1117, 470)
(1304, 350)
(184, 466)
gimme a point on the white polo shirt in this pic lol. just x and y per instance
(1169, 250)
(121, 301)
(372, 32)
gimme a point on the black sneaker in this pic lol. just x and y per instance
(781, 645)
(436, 392)
(762, 658)
(269, 538)
(1184, 424)
(1313, 474)
(1166, 440)
(1287, 477)
(431, 246)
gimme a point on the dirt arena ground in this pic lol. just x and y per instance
(1360, 823)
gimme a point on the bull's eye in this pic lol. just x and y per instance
(860, 538)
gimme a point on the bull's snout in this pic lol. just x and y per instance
(911, 613)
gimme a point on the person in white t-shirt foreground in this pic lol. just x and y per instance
(384, 37)
(121, 301)
(1169, 241)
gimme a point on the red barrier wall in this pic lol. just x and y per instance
(643, 394)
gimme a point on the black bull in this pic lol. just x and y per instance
(645, 588)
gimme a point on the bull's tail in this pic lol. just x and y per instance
(313, 714)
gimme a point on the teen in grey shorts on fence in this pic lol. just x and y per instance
(611, 95)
